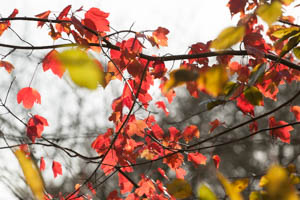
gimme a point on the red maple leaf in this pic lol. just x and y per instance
(7, 66)
(43, 15)
(296, 111)
(236, 6)
(190, 132)
(42, 164)
(124, 184)
(91, 188)
(175, 134)
(282, 133)
(199, 48)
(51, 62)
(180, 173)
(64, 12)
(157, 131)
(162, 105)
(147, 187)
(159, 69)
(162, 172)
(94, 17)
(217, 160)
(5, 24)
(244, 105)
(214, 124)
(35, 127)
(28, 96)
(56, 168)
(197, 158)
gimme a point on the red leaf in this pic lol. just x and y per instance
(175, 161)
(124, 184)
(42, 164)
(236, 6)
(51, 62)
(256, 40)
(161, 104)
(282, 133)
(146, 187)
(5, 24)
(35, 127)
(199, 48)
(296, 111)
(217, 160)
(97, 18)
(197, 158)
(56, 168)
(159, 36)
(244, 105)
(90, 186)
(190, 132)
(64, 12)
(162, 172)
(43, 15)
(159, 69)
(8, 66)
(253, 127)
(180, 173)
(29, 96)
(157, 131)
(113, 196)
(175, 134)
(214, 124)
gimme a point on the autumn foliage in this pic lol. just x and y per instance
(264, 35)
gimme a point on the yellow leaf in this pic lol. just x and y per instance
(287, 2)
(232, 192)
(270, 13)
(84, 71)
(286, 32)
(254, 96)
(179, 77)
(205, 193)
(228, 37)
(297, 52)
(240, 184)
(179, 188)
(257, 195)
(31, 173)
(213, 81)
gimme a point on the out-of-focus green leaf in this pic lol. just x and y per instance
(270, 12)
(254, 96)
(179, 188)
(205, 193)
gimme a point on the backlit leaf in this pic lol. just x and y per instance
(287, 2)
(213, 80)
(197, 158)
(228, 37)
(241, 184)
(51, 62)
(257, 73)
(232, 192)
(179, 77)
(97, 18)
(296, 111)
(293, 42)
(7, 66)
(56, 168)
(160, 37)
(282, 133)
(35, 127)
(296, 52)
(270, 12)
(43, 15)
(254, 96)
(285, 32)
(42, 164)
(31, 173)
(190, 132)
(179, 188)
(28, 96)
(162, 105)
(216, 160)
(84, 71)
(205, 193)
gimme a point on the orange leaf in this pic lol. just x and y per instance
(42, 164)
(296, 111)
(124, 184)
(56, 168)
(5, 24)
(162, 105)
(190, 132)
(28, 96)
(43, 15)
(180, 173)
(96, 17)
(8, 66)
(162, 172)
(217, 160)
(51, 62)
(146, 187)
(197, 158)
(282, 133)
(160, 37)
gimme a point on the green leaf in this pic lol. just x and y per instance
(297, 52)
(270, 12)
(293, 42)
(254, 96)
(205, 193)
(228, 37)
(83, 70)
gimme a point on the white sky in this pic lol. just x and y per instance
(188, 21)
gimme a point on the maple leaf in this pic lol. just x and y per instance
(28, 96)
(54, 35)
(244, 105)
(90, 186)
(282, 133)
(56, 168)
(97, 18)
(5, 24)
(102, 142)
(137, 127)
(214, 124)
(157, 131)
(162, 172)
(51, 62)
(43, 15)
(159, 69)
(146, 187)
(64, 12)
(180, 173)
(217, 160)
(197, 158)
(236, 6)
(35, 127)
(190, 132)
(42, 164)
(197, 49)
(7, 66)
(296, 111)
(175, 134)
(174, 161)
(162, 105)
(113, 196)
(160, 37)
(124, 184)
